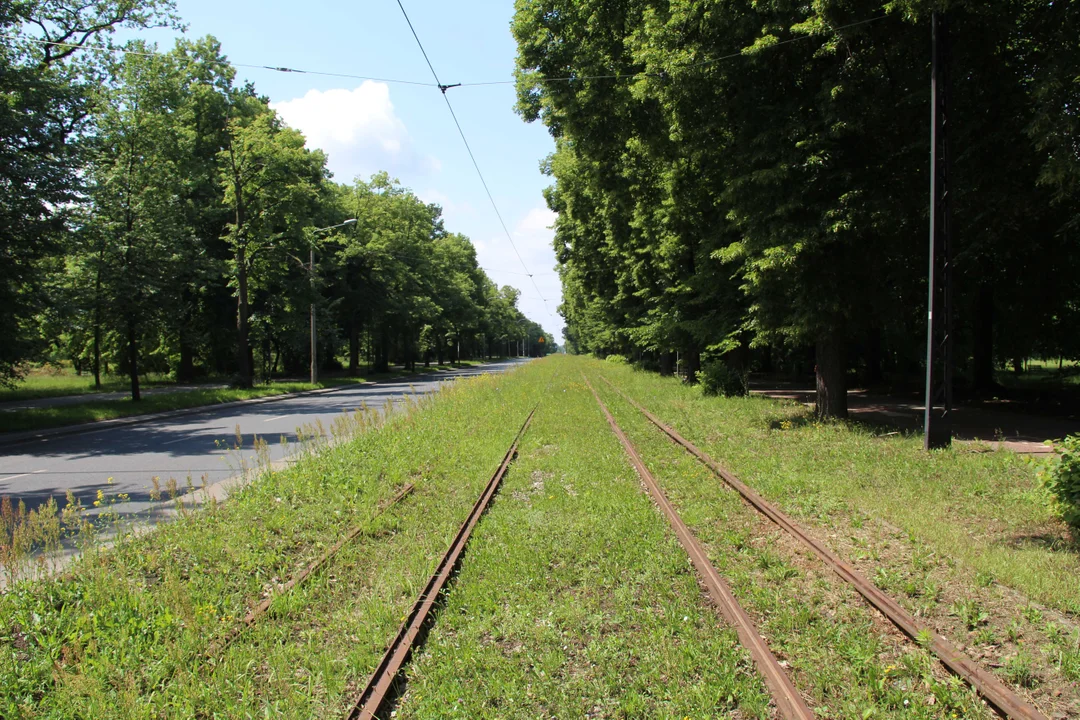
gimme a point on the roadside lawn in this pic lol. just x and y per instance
(94, 410)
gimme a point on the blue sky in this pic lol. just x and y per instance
(366, 126)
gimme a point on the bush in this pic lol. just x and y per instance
(719, 379)
(1061, 477)
(617, 359)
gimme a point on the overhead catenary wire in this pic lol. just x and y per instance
(472, 156)
(438, 83)
(273, 68)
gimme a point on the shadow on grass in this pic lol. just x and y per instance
(1054, 542)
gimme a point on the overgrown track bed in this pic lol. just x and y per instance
(376, 695)
(787, 698)
(992, 690)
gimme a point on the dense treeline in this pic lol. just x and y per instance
(748, 181)
(156, 215)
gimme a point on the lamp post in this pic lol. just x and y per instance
(311, 277)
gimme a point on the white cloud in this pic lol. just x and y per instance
(359, 131)
(532, 237)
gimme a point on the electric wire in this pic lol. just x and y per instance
(438, 83)
(472, 156)
(273, 68)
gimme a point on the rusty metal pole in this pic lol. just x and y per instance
(937, 425)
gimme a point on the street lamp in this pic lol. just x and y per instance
(311, 275)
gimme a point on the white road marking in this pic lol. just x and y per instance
(171, 442)
(279, 417)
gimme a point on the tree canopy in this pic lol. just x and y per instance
(749, 180)
(157, 216)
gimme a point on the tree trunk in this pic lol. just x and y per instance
(133, 352)
(693, 364)
(97, 352)
(243, 350)
(354, 346)
(97, 328)
(830, 371)
(1018, 365)
(185, 371)
(382, 358)
(983, 350)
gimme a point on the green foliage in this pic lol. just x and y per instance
(160, 218)
(718, 378)
(730, 172)
(1061, 476)
(616, 359)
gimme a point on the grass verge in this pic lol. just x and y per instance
(74, 414)
(126, 634)
(92, 411)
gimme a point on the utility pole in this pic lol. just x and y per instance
(314, 345)
(937, 425)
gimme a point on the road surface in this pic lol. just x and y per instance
(198, 444)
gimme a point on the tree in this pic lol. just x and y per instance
(43, 121)
(271, 184)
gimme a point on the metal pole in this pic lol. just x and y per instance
(314, 360)
(937, 430)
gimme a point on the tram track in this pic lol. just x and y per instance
(996, 694)
(379, 692)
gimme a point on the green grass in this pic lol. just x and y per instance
(61, 415)
(94, 410)
(124, 637)
(984, 510)
(840, 658)
(1042, 375)
(575, 599)
(43, 384)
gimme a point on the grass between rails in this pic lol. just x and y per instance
(575, 599)
(964, 540)
(846, 660)
(985, 510)
(126, 634)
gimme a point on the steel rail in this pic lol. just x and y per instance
(377, 690)
(259, 610)
(788, 700)
(992, 690)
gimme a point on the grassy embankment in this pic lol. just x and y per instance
(964, 539)
(574, 598)
(124, 636)
(44, 386)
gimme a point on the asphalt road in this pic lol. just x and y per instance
(198, 444)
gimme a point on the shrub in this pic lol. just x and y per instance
(616, 359)
(719, 379)
(1061, 477)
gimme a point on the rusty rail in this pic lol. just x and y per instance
(259, 610)
(377, 690)
(788, 700)
(993, 691)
